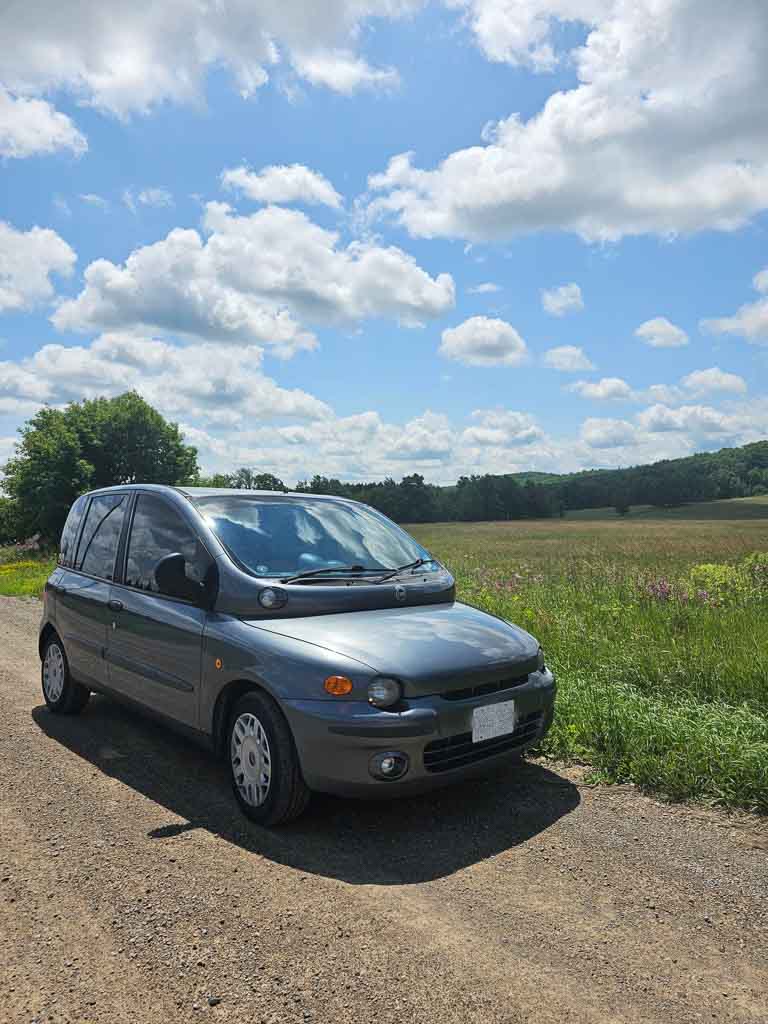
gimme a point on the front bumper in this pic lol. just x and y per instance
(335, 740)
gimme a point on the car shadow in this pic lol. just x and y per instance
(393, 842)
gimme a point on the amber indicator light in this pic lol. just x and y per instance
(339, 686)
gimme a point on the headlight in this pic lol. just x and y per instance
(383, 693)
(540, 664)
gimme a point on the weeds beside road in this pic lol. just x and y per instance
(658, 634)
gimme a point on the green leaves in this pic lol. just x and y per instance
(94, 443)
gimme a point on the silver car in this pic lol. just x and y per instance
(306, 638)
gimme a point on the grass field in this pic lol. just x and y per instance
(662, 667)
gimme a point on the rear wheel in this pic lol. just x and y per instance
(265, 770)
(62, 694)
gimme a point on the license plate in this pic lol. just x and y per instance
(493, 720)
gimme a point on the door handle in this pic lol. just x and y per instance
(115, 606)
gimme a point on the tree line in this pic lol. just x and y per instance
(104, 441)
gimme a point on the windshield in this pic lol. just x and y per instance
(275, 537)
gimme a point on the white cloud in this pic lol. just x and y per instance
(518, 33)
(502, 428)
(565, 299)
(155, 197)
(604, 433)
(208, 380)
(567, 359)
(91, 199)
(704, 382)
(124, 58)
(484, 341)
(342, 71)
(27, 260)
(750, 321)
(664, 133)
(760, 280)
(286, 184)
(253, 279)
(31, 127)
(486, 288)
(427, 437)
(696, 420)
(660, 333)
(605, 389)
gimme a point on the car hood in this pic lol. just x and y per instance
(430, 648)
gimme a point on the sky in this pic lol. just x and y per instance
(370, 238)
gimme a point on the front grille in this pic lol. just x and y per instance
(481, 691)
(457, 751)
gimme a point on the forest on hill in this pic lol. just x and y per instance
(708, 476)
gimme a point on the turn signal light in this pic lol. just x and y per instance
(339, 686)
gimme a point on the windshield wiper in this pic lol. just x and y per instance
(339, 569)
(402, 568)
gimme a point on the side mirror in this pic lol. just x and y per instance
(172, 580)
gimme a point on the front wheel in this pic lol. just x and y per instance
(265, 770)
(62, 694)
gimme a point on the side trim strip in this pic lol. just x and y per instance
(142, 668)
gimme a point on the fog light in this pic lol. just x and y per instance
(271, 598)
(388, 766)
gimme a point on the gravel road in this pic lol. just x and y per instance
(132, 890)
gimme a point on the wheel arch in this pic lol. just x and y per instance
(45, 633)
(226, 699)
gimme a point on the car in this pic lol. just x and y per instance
(305, 638)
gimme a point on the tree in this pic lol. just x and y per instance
(247, 480)
(94, 443)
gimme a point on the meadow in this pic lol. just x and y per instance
(657, 630)
(656, 626)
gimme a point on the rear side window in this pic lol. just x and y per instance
(158, 530)
(97, 550)
(70, 532)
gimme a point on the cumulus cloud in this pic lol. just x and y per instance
(660, 333)
(605, 433)
(704, 382)
(750, 321)
(219, 383)
(343, 71)
(253, 279)
(125, 58)
(484, 341)
(605, 389)
(696, 420)
(502, 428)
(565, 299)
(567, 359)
(668, 108)
(27, 260)
(31, 127)
(486, 288)
(286, 184)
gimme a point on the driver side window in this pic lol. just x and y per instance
(158, 530)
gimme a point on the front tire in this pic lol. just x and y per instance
(61, 693)
(264, 766)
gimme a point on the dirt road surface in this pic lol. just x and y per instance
(132, 890)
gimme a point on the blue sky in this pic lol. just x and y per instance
(316, 308)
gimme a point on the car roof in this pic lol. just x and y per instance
(215, 492)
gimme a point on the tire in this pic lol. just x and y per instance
(263, 763)
(61, 693)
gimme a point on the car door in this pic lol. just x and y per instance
(154, 640)
(88, 553)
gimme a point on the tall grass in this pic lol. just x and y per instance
(661, 682)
